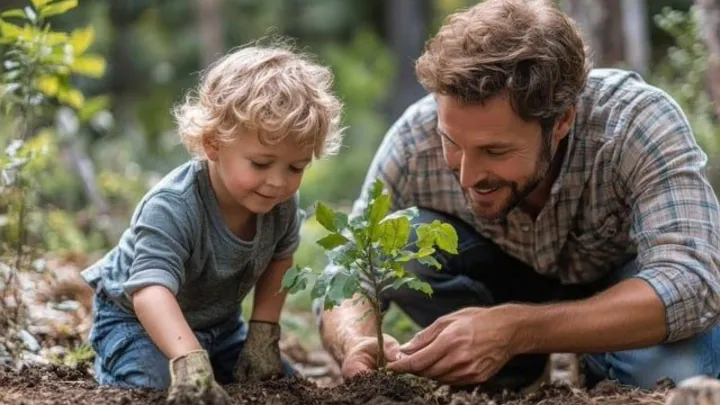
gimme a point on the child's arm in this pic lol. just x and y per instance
(159, 313)
(260, 358)
(269, 300)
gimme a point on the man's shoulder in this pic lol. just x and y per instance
(614, 97)
(416, 127)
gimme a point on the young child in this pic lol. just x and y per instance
(167, 298)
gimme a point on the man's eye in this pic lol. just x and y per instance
(495, 152)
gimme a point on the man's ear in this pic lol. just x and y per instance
(563, 125)
(210, 143)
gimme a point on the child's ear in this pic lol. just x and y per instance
(210, 143)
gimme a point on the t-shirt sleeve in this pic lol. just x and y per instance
(162, 244)
(293, 216)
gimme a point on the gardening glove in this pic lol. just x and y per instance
(192, 381)
(260, 357)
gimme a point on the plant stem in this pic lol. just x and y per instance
(375, 302)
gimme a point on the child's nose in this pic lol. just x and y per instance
(276, 180)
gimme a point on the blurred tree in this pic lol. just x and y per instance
(407, 28)
(601, 24)
(210, 27)
(636, 34)
(710, 29)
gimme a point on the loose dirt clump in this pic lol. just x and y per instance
(55, 385)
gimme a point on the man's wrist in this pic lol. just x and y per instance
(526, 323)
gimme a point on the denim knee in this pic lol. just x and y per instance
(676, 360)
(125, 356)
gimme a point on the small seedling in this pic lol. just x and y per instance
(371, 251)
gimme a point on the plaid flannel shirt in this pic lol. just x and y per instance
(632, 185)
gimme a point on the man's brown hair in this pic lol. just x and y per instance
(529, 49)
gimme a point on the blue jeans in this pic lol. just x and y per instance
(482, 275)
(125, 356)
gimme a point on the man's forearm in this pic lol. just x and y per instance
(626, 316)
(345, 323)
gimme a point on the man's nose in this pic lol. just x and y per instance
(471, 172)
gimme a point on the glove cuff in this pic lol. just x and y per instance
(192, 367)
(264, 331)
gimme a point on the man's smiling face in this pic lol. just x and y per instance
(499, 158)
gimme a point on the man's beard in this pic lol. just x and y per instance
(518, 192)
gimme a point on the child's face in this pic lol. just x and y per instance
(257, 176)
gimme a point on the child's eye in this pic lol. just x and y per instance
(297, 169)
(259, 165)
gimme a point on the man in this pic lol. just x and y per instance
(585, 219)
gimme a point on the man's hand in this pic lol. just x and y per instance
(192, 381)
(465, 347)
(260, 357)
(361, 355)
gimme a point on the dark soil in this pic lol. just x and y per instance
(61, 385)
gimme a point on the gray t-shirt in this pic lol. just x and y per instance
(177, 238)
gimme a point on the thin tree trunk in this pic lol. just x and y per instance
(601, 23)
(710, 29)
(210, 26)
(406, 26)
(636, 33)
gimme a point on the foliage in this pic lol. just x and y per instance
(684, 73)
(35, 81)
(371, 251)
(363, 72)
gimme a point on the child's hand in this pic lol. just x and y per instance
(192, 381)
(260, 358)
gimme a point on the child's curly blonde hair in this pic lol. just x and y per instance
(271, 90)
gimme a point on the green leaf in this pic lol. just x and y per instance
(325, 216)
(419, 285)
(48, 85)
(437, 233)
(341, 221)
(89, 65)
(392, 234)
(290, 277)
(295, 279)
(342, 286)
(411, 282)
(424, 252)
(321, 285)
(409, 213)
(332, 241)
(378, 209)
(430, 261)
(344, 256)
(57, 8)
(447, 238)
(10, 31)
(405, 256)
(72, 97)
(93, 106)
(376, 189)
(38, 4)
(425, 236)
(14, 13)
(81, 39)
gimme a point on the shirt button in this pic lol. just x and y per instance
(525, 228)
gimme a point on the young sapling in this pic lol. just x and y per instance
(370, 252)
